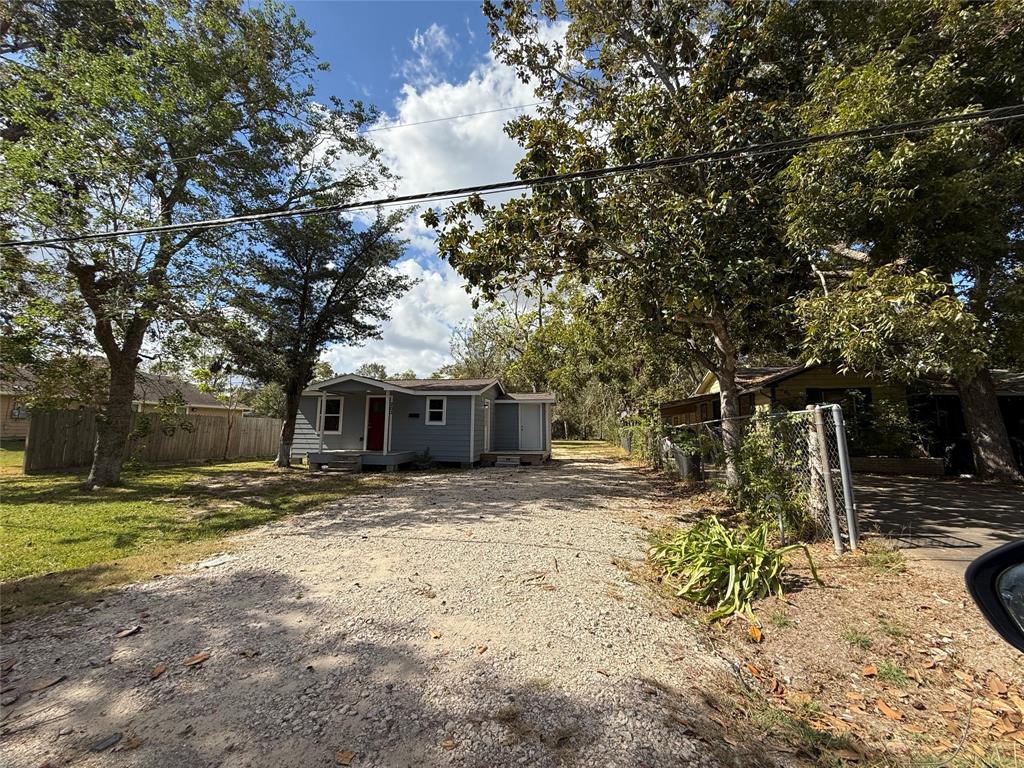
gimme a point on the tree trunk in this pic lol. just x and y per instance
(292, 395)
(732, 429)
(990, 443)
(113, 425)
(729, 396)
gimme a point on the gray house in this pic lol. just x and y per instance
(356, 421)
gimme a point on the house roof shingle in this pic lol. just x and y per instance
(527, 396)
(439, 385)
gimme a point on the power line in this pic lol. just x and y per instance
(874, 132)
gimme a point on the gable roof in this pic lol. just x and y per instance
(410, 386)
(526, 397)
(149, 388)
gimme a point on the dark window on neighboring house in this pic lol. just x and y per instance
(19, 411)
(852, 399)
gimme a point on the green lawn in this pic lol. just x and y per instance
(11, 454)
(59, 542)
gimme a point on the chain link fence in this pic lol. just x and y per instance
(792, 467)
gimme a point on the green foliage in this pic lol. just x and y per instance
(723, 568)
(769, 470)
(267, 400)
(372, 371)
(893, 325)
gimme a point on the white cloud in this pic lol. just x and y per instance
(433, 50)
(433, 156)
(416, 337)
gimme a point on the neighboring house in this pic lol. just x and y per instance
(388, 423)
(791, 387)
(934, 406)
(14, 414)
(16, 390)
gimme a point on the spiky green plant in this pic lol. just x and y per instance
(725, 568)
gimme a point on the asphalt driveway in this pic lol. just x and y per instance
(947, 522)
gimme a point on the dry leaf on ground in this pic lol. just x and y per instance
(199, 658)
(344, 757)
(158, 670)
(885, 709)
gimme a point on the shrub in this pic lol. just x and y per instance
(724, 568)
(769, 471)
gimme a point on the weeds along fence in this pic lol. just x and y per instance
(64, 440)
(792, 467)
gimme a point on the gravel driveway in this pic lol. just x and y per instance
(469, 618)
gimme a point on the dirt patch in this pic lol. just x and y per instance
(889, 663)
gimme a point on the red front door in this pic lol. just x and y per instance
(375, 424)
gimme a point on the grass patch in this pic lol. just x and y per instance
(797, 731)
(887, 561)
(892, 673)
(12, 454)
(890, 627)
(61, 543)
(778, 618)
(857, 638)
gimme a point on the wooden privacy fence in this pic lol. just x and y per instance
(65, 439)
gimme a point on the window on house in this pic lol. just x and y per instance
(330, 419)
(436, 407)
(19, 411)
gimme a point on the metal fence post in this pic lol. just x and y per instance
(844, 471)
(826, 478)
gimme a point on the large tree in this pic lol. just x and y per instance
(948, 200)
(167, 111)
(697, 251)
(307, 284)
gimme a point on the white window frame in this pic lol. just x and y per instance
(323, 414)
(444, 411)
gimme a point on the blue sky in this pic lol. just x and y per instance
(420, 61)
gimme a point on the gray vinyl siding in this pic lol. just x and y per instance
(410, 432)
(306, 438)
(353, 415)
(506, 427)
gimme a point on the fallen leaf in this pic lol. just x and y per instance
(158, 670)
(105, 744)
(481, 649)
(130, 631)
(344, 757)
(964, 677)
(47, 683)
(435, 634)
(854, 696)
(199, 658)
(603, 672)
(448, 744)
(752, 669)
(755, 633)
(997, 686)
(885, 709)
(777, 688)
(870, 670)
(548, 587)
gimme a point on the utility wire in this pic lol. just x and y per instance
(874, 132)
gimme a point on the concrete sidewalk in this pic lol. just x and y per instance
(946, 521)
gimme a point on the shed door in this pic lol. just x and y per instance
(531, 427)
